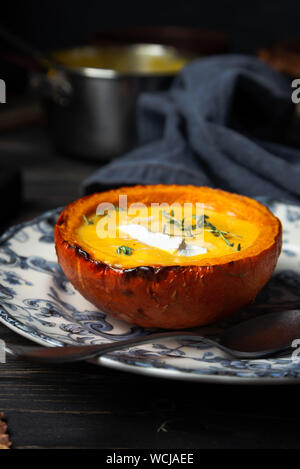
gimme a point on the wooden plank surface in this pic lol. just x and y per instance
(84, 406)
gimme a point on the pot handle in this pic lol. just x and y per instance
(54, 85)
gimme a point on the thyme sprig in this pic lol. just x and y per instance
(170, 217)
(202, 222)
(119, 209)
(218, 233)
(179, 223)
(125, 250)
(87, 221)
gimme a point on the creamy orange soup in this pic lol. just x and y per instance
(123, 238)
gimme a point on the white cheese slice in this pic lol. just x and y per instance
(191, 250)
(172, 244)
(156, 240)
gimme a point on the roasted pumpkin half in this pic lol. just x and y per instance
(168, 256)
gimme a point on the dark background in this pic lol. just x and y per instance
(81, 406)
(249, 25)
(59, 24)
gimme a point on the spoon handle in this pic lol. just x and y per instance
(72, 353)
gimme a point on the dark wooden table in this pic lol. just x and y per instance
(84, 406)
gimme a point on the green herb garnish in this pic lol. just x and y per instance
(179, 223)
(124, 250)
(88, 222)
(171, 219)
(202, 222)
(162, 427)
(218, 233)
(239, 247)
(119, 209)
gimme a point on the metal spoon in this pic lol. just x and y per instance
(259, 337)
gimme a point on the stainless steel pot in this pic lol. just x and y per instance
(90, 101)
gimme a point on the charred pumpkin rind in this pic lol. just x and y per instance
(171, 296)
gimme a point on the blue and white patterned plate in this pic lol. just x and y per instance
(38, 302)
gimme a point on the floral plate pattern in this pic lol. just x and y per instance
(38, 302)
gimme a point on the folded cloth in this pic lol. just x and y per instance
(221, 124)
